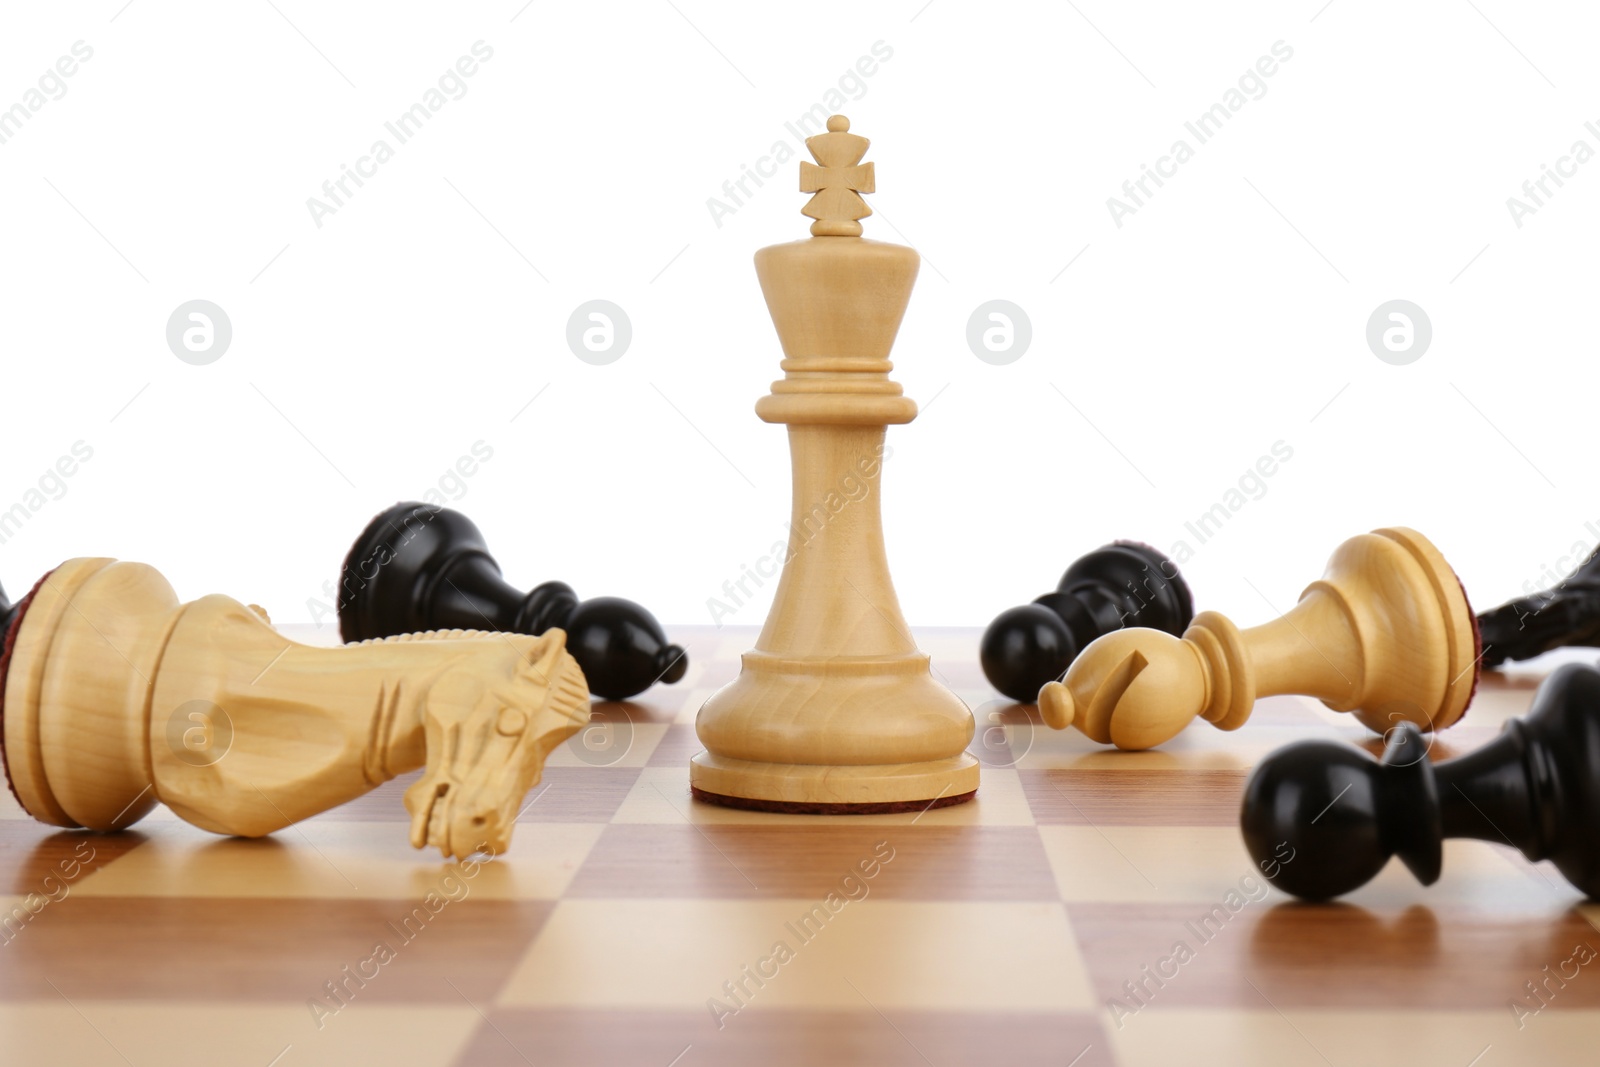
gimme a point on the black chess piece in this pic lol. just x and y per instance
(1322, 818)
(1568, 613)
(421, 567)
(8, 611)
(1125, 583)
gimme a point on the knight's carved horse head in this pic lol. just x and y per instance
(487, 739)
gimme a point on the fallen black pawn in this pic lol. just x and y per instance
(1125, 583)
(420, 567)
(1565, 614)
(1338, 814)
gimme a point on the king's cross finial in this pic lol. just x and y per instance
(838, 183)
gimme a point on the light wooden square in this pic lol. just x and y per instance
(676, 954)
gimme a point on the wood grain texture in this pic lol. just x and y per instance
(795, 1039)
(118, 697)
(1001, 931)
(1385, 634)
(1445, 957)
(835, 705)
(1095, 796)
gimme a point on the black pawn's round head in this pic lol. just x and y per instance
(621, 648)
(1311, 821)
(1024, 648)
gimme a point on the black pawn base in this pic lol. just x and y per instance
(1126, 583)
(421, 567)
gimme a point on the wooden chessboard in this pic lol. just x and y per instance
(995, 932)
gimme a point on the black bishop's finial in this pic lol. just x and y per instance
(1342, 814)
(420, 567)
(1125, 583)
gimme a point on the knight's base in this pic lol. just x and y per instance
(801, 788)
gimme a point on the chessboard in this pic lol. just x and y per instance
(1038, 924)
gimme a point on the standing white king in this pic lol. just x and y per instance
(835, 710)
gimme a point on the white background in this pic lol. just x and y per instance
(1227, 314)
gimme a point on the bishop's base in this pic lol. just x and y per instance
(805, 788)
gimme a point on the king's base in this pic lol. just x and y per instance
(813, 789)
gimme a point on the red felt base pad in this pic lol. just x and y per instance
(790, 807)
(9, 645)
